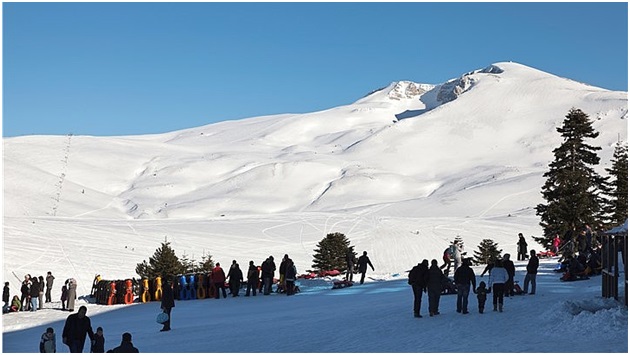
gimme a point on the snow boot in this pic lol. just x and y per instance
(495, 307)
(500, 307)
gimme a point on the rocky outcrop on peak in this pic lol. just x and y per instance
(450, 90)
(408, 90)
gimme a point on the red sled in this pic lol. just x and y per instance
(342, 284)
(546, 254)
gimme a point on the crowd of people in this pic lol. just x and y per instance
(34, 291)
(432, 280)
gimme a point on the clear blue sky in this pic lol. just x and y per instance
(136, 68)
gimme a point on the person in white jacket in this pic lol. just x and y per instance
(497, 279)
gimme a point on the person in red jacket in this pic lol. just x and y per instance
(218, 278)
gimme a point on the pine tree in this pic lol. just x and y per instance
(331, 253)
(163, 263)
(487, 251)
(206, 264)
(572, 189)
(617, 205)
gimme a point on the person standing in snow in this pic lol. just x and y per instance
(34, 293)
(268, 270)
(364, 261)
(464, 277)
(5, 295)
(532, 270)
(41, 292)
(457, 255)
(77, 326)
(98, 344)
(482, 292)
(49, 284)
(522, 247)
(349, 264)
(236, 277)
(556, 244)
(435, 281)
(498, 278)
(168, 302)
(48, 342)
(418, 277)
(290, 276)
(283, 270)
(218, 279)
(252, 278)
(508, 265)
(72, 293)
(25, 290)
(64, 295)
(446, 257)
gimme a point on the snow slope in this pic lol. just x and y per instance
(401, 172)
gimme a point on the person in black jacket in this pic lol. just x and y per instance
(418, 277)
(34, 293)
(5, 295)
(532, 270)
(126, 346)
(363, 262)
(252, 278)
(26, 295)
(74, 331)
(168, 302)
(236, 277)
(508, 265)
(268, 269)
(98, 344)
(435, 282)
(464, 277)
(522, 247)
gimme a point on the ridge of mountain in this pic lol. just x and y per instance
(408, 149)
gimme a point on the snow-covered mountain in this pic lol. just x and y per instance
(415, 149)
(400, 171)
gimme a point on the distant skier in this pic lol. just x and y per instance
(364, 261)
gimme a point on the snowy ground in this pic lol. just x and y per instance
(400, 175)
(374, 317)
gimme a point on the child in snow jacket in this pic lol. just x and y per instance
(98, 344)
(482, 291)
(64, 296)
(48, 344)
